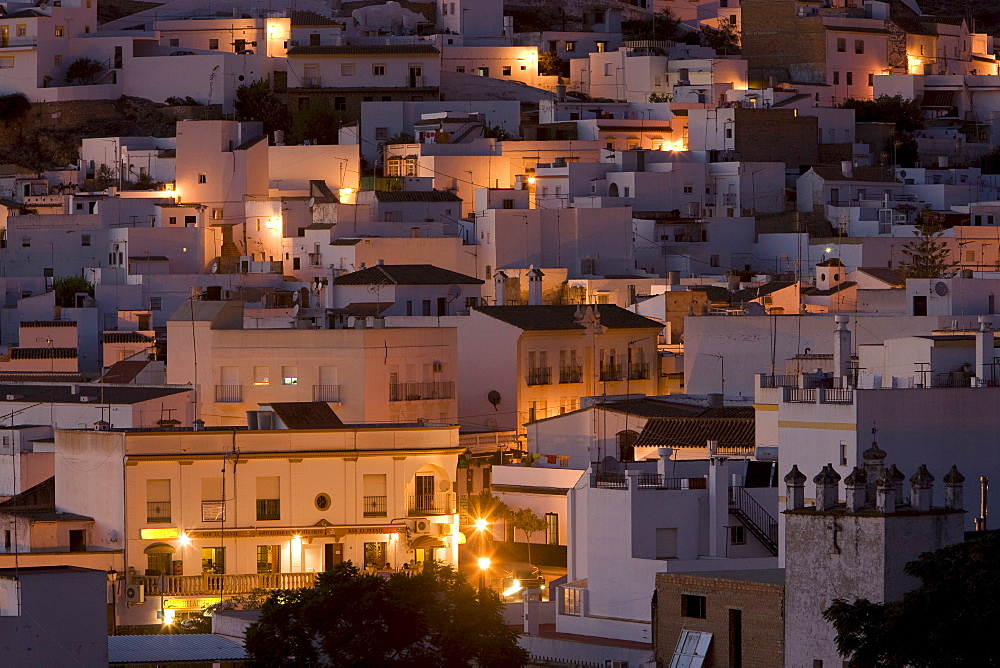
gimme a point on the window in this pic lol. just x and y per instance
(508, 204)
(572, 601)
(859, 46)
(84, 239)
(602, 47)
(850, 78)
(60, 31)
(737, 535)
(340, 104)
(692, 606)
(426, 307)
(871, 80)
(506, 70)
(6, 62)
(296, 262)
(666, 543)
(175, 42)
(212, 505)
(841, 45)
(268, 558)
(158, 501)
(57, 60)
(570, 46)
(158, 558)
(190, 221)
(373, 486)
(607, 69)
(77, 540)
(551, 528)
(483, 71)
(460, 69)
(269, 498)
(202, 178)
(347, 69)
(216, 214)
(381, 134)
(260, 375)
(289, 375)
(713, 260)
(21, 30)
(688, 189)
(213, 45)
(836, 78)
(378, 70)
(173, 220)
(155, 303)
(375, 554)
(86, 29)
(213, 560)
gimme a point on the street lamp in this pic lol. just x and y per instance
(484, 565)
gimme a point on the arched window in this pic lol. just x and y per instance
(613, 190)
(158, 559)
(626, 445)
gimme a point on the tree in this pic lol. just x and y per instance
(317, 123)
(84, 71)
(66, 288)
(949, 620)
(13, 106)
(928, 256)
(431, 618)
(529, 523)
(662, 25)
(550, 64)
(256, 102)
(906, 114)
(725, 38)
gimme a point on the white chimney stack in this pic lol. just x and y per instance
(500, 285)
(535, 287)
(984, 351)
(841, 346)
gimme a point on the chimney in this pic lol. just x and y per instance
(897, 483)
(826, 488)
(535, 287)
(661, 466)
(856, 483)
(718, 506)
(886, 493)
(984, 351)
(500, 284)
(713, 448)
(198, 425)
(984, 503)
(847, 168)
(921, 489)
(954, 489)
(841, 346)
(874, 462)
(795, 484)
(673, 278)
(532, 610)
(715, 399)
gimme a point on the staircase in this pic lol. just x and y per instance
(754, 517)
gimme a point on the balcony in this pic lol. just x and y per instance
(213, 511)
(611, 372)
(228, 394)
(374, 506)
(638, 371)
(437, 503)
(329, 393)
(312, 82)
(268, 509)
(540, 376)
(194, 585)
(799, 395)
(425, 391)
(620, 480)
(157, 511)
(571, 374)
(19, 42)
(315, 259)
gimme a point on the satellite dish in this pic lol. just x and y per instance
(494, 398)
(311, 202)
(454, 292)
(941, 288)
(215, 267)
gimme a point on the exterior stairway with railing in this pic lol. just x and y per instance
(754, 517)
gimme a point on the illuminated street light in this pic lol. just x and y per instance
(484, 565)
(481, 525)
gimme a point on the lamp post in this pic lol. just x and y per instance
(484, 565)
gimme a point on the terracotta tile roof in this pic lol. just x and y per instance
(416, 196)
(695, 432)
(42, 353)
(361, 50)
(405, 274)
(555, 317)
(305, 18)
(893, 277)
(813, 291)
(123, 372)
(307, 415)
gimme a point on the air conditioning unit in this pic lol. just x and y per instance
(438, 367)
(422, 526)
(135, 593)
(445, 529)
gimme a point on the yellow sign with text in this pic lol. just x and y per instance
(160, 534)
(188, 603)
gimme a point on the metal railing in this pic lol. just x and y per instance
(780, 381)
(158, 511)
(18, 42)
(489, 441)
(237, 583)
(835, 395)
(799, 395)
(571, 374)
(315, 259)
(436, 503)
(422, 391)
(213, 511)
(638, 371)
(619, 480)
(611, 372)
(228, 394)
(374, 506)
(312, 82)
(754, 517)
(541, 375)
(326, 393)
(268, 509)
(609, 480)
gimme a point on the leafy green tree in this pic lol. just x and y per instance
(84, 71)
(927, 256)
(949, 620)
(66, 288)
(662, 25)
(317, 123)
(13, 106)
(724, 39)
(661, 97)
(906, 114)
(529, 523)
(432, 618)
(257, 102)
(550, 64)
